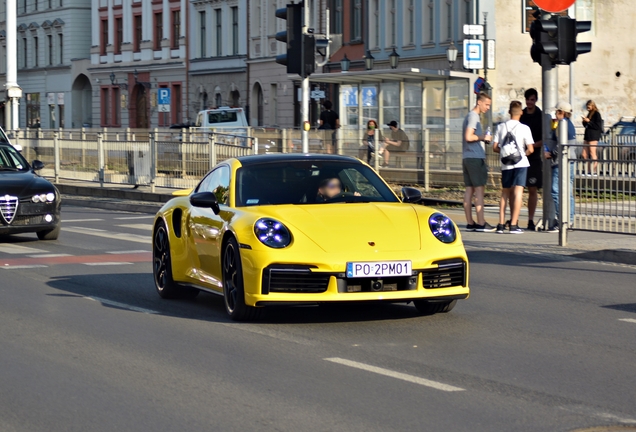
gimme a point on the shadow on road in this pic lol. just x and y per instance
(627, 307)
(137, 290)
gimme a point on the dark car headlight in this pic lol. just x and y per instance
(442, 228)
(272, 233)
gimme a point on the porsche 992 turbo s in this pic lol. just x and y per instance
(28, 202)
(293, 229)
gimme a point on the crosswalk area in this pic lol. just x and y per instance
(89, 237)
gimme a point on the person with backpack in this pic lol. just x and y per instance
(514, 143)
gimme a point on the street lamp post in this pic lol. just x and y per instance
(345, 63)
(451, 55)
(394, 59)
(368, 60)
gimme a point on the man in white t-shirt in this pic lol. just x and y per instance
(513, 177)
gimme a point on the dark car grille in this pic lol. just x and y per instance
(448, 274)
(294, 279)
(28, 220)
(8, 207)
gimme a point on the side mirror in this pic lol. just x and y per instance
(37, 165)
(205, 200)
(411, 195)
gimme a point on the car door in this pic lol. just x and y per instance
(207, 227)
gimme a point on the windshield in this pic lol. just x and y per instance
(222, 117)
(11, 160)
(623, 129)
(309, 182)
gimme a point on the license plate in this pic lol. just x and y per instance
(378, 269)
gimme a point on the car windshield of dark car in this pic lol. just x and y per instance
(11, 160)
(306, 182)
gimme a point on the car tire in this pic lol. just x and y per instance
(233, 287)
(49, 234)
(425, 307)
(166, 287)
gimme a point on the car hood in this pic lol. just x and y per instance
(23, 184)
(351, 226)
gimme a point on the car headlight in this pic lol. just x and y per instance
(442, 228)
(42, 198)
(272, 233)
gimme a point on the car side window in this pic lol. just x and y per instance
(217, 182)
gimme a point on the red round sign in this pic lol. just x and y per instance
(554, 6)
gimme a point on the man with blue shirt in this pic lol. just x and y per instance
(563, 111)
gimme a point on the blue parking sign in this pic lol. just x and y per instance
(163, 98)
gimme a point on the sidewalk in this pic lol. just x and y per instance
(596, 246)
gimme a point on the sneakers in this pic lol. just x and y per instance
(531, 226)
(486, 227)
(514, 229)
(471, 227)
(553, 229)
(501, 228)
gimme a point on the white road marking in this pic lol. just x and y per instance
(107, 263)
(15, 249)
(18, 267)
(121, 305)
(590, 412)
(629, 320)
(82, 220)
(111, 235)
(48, 255)
(398, 375)
(127, 252)
(135, 217)
(145, 227)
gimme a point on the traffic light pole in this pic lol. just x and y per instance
(550, 82)
(304, 107)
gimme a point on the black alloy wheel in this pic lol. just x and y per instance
(162, 268)
(233, 288)
(52, 234)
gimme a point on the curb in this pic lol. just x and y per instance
(145, 207)
(620, 256)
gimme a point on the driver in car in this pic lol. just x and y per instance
(330, 188)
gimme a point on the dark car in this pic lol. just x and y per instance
(28, 202)
(625, 126)
(624, 132)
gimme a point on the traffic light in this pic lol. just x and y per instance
(292, 36)
(569, 48)
(309, 54)
(544, 39)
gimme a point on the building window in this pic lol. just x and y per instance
(219, 32)
(235, 31)
(35, 51)
(33, 109)
(409, 20)
(50, 4)
(271, 19)
(449, 20)
(116, 107)
(467, 11)
(104, 40)
(374, 26)
(176, 29)
(176, 104)
(392, 23)
(119, 34)
(138, 34)
(35, 5)
(356, 20)
(61, 107)
(25, 52)
(50, 49)
(105, 107)
(202, 34)
(164, 117)
(336, 17)
(158, 30)
(61, 47)
(431, 21)
(24, 6)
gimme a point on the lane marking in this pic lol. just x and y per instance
(111, 263)
(111, 235)
(398, 375)
(629, 320)
(15, 249)
(121, 305)
(48, 255)
(134, 217)
(145, 257)
(127, 252)
(82, 220)
(17, 267)
(144, 227)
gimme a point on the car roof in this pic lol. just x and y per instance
(293, 157)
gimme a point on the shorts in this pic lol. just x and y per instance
(393, 148)
(475, 172)
(514, 177)
(535, 174)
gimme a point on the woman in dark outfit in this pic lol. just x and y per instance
(593, 124)
(372, 129)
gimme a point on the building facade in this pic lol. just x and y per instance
(52, 61)
(139, 47)
(218, 54)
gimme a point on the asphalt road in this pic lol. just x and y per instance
(543, 344)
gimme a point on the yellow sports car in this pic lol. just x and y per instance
(298, 228)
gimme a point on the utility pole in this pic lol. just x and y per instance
(14, 92)
(550, 94)
(304, 107)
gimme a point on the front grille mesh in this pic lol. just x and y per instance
(292, 280)
(448, 274)
(8, 207)
(28, 220)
